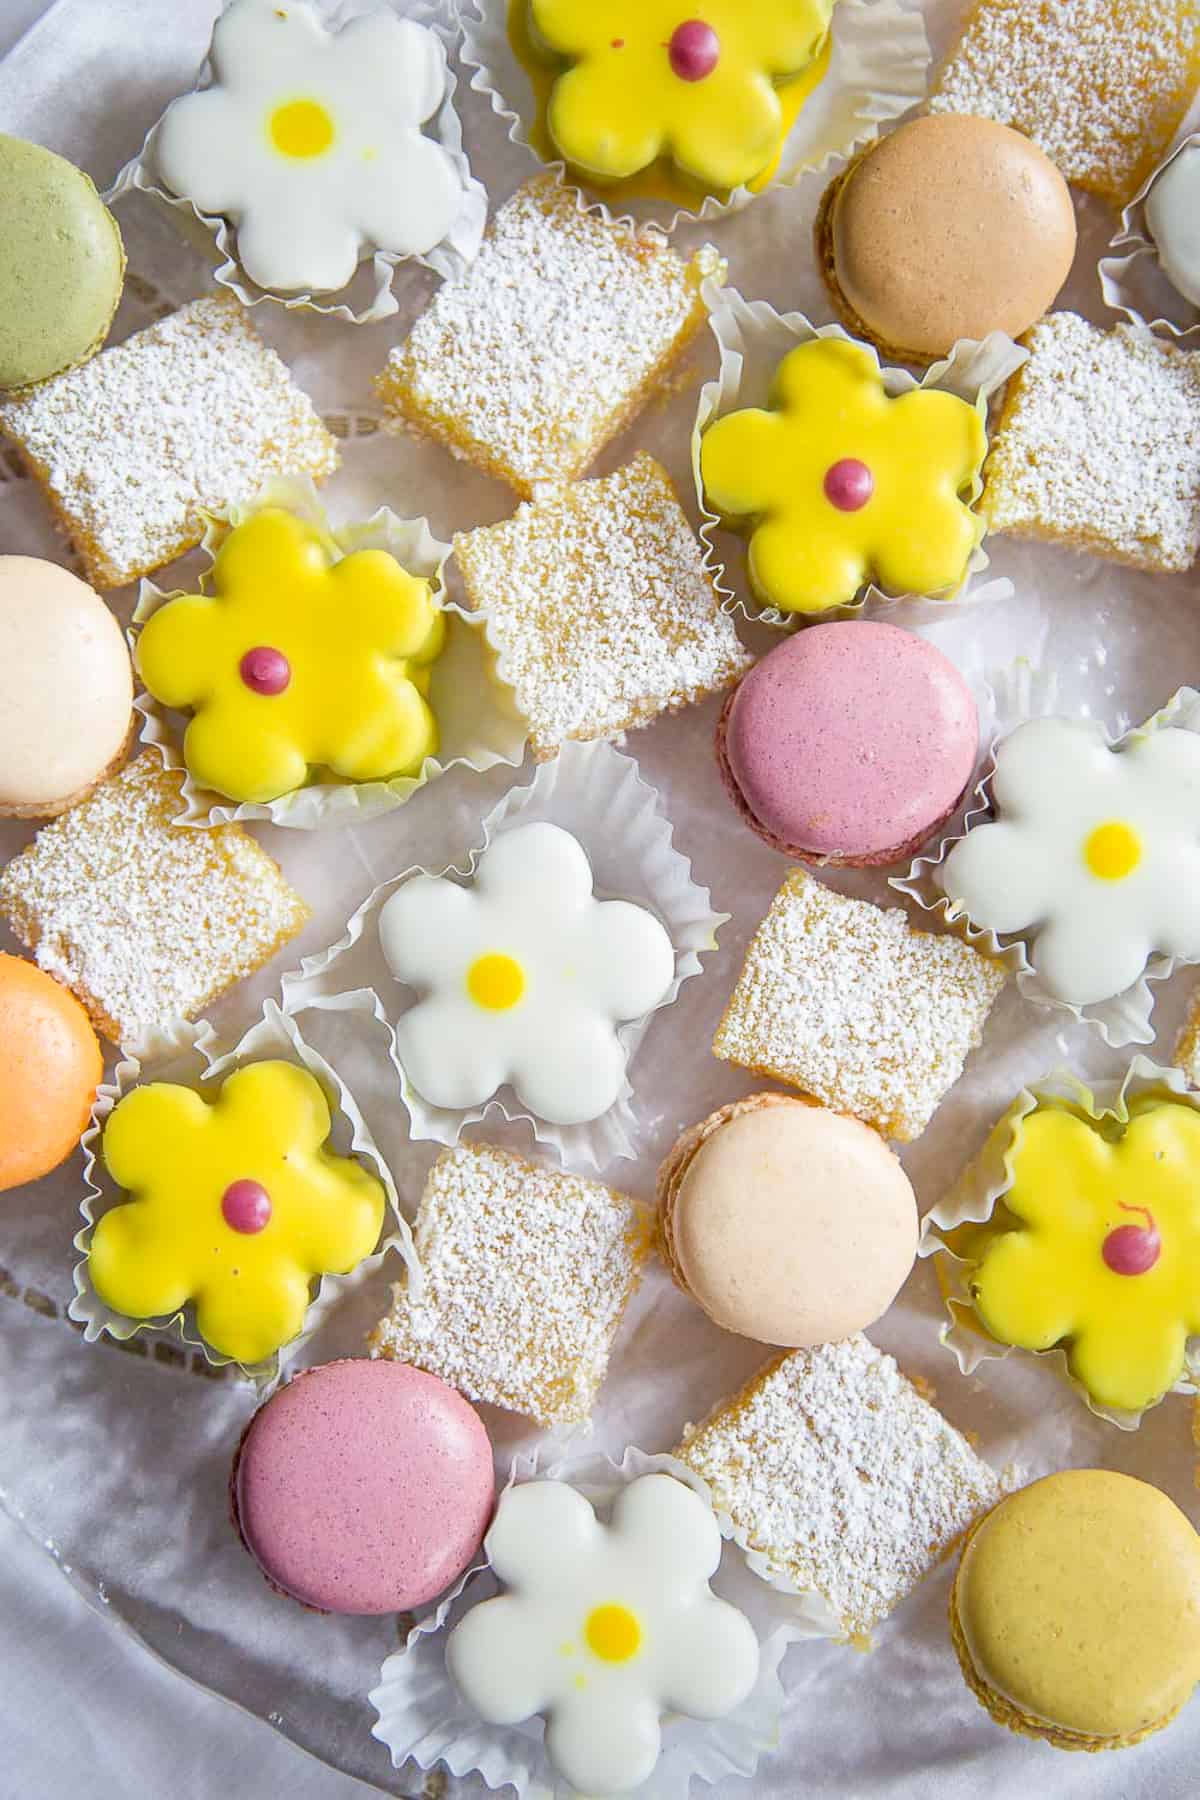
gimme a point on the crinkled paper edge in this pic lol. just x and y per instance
(422, 1720)
(595, 793)
(448, 259)
(498, 734)
(751, 331)
(1126, 1018)
(1130, 246)
(984, 1182)
(878, 69)
(190, 1053)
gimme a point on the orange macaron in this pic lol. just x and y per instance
(50, 1068)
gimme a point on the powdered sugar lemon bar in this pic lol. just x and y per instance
(552, 341)
(846, 1001)
(194, 412)
(599, 607)
(527, 1273)
(836, 1470)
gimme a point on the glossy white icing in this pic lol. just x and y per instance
(604, 1628)
(310, 142)
(1173, 216)
(1093, 850)
(525, 976)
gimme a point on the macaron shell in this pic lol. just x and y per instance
(850, 743)
(63, 265)
(50, 1068)
(1077, 1603)
(948, 227)
(1173, 218)
(66, 688)
(786, 1222)
(364, 1487)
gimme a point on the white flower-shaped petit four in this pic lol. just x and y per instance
(1095, 850)
(310, 142)
(525, 976)
(604, 1628)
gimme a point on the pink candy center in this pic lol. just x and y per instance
(264, 670)
(849, 484)
(246, 1206)
(694, 50)
(1132, 1249)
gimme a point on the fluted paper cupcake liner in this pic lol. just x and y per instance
(189, 1056)
(982, 1186)
(598, 795)
(878, 68)
(478, 721)
(1126, 1018)
(423, 1720)
(1133, 281)
(753, 339)
(368, 296)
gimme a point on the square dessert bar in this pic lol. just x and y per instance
(599, 607)
(1098, 445)
(193, 412)
(833, 1467)
(527, 1272)
(550, 343)
(1100, 85)
(849, 1003)
(147, 922)
(1187, 1044)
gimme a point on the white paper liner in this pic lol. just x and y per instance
(422, 1719)
(1126, 1018)
(478, 721)
(597, 794)
(753, 339)
(188, 1054)
(973, 1198)
(879, 67)
(368, 296)
(1131, 277)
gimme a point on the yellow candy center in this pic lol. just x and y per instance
(495, 982)
(301, 128)
(613, 1633)
(1113, 851)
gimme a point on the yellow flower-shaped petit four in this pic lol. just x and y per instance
(646, 79)
(1100, 1249)
(841, 483)
(235, 1204)
(297, 662)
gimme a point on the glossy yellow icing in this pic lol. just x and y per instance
(766, 471)
(301, 129)
(358, 634)
(1042, 1278)
(1109, 1557)
(613, 1633)
(661, 177)
(177, 1153)
(1113, 850)
(495, 981)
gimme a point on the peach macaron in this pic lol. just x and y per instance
(50, 1068)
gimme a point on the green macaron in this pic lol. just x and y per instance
(62, 267)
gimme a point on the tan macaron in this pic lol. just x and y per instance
(786, 1222)
(948, 228)
(1075, 1612)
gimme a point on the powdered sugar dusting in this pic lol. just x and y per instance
(1100, 85)
(550, 342)
(1099, 445)
(834, 1468)
(847, 1002)
(193, 412)
(146, 922)
(600, 608)
(527, 1271)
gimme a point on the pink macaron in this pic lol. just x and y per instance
(363, 1487)
(849, 744)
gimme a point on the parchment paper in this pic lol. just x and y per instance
(118, 1460)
